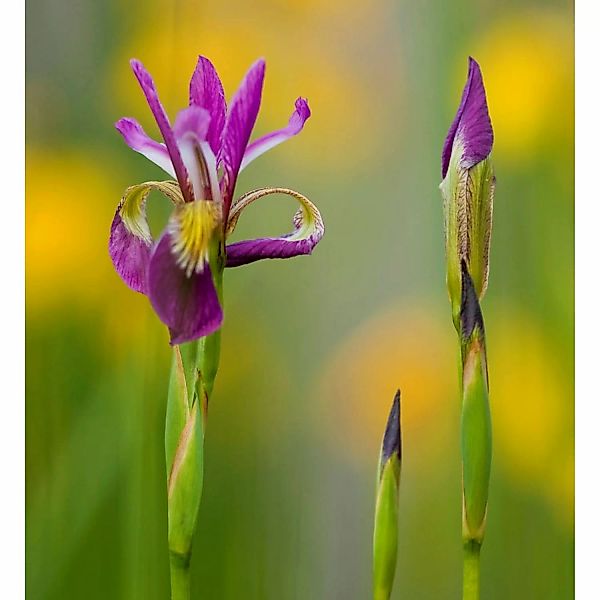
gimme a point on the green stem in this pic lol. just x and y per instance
(471, 570)
(180, 577)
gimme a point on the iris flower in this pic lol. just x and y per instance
(204, 150)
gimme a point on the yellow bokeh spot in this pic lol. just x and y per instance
(532, 410)
(70, 203)
(528, 69)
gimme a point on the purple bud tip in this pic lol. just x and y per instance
(471, 126)
(470, 310)
(392, 438)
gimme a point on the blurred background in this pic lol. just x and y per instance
(313, 348)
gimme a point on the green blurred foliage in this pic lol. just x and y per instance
(313, 348)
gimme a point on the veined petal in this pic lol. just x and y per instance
(149, 89)
(471, 127)
(190, 129)
(266, 142)
(308, 231)
(130, 242)
(206, 91)
(137, 139)
(238, 127)
(188, 305)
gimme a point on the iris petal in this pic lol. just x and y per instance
(137, 139)
(308, 231)
(471, 127)
(191, 128)
(189, 306)
(130, 240)
(266, 142)
(238, 127)
(206, 91)
(149, 89)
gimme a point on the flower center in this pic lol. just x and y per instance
(192, 229)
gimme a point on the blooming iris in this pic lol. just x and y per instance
(204, 150)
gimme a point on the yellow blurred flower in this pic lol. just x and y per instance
(528, 68)
(532, 410)
(70, 202)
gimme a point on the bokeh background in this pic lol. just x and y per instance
(313, 348)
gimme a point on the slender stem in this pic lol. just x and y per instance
(180, 577)
(471, 570)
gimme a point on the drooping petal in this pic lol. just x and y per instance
(191, 128)
(206, 91)
(137, 139)
(238, 127)
(189, 306)
(130, 241)
(471, 127)
(308, 231)
(266, 142)
(149, 89)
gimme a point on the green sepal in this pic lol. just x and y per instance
(385, 534)
(185, 484)
(468, 206)
(476, 439)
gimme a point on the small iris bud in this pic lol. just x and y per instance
(468, 190)
(385, 535)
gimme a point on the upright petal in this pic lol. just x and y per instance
(137, 139)
(266, 142)
(206, 91)
(149, 89)
(130, 241)
(471, 127)
(191, 128)
(189, 306)
(238, 127)
(308, 231)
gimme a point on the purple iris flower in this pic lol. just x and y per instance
(204, 150)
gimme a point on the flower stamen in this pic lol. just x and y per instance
(192, 228)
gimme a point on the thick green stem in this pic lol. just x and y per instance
(180, 576)
(471, 570)
(193, 372)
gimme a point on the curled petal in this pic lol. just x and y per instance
(266, 142)
(206, 91)
(188, 305)
(130, 240)
(238, 127)
(191, 128)
(162, 121)
(471, 127)
(137, 139)
(308, 231)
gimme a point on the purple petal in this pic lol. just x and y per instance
(149, 89)
(242, 253)
(189, 306)
(294, 126)
(137, 139)
(238, 127)
(130, 254)
(308, 231)
(191, 128)
(471, 126)
(206, 91)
